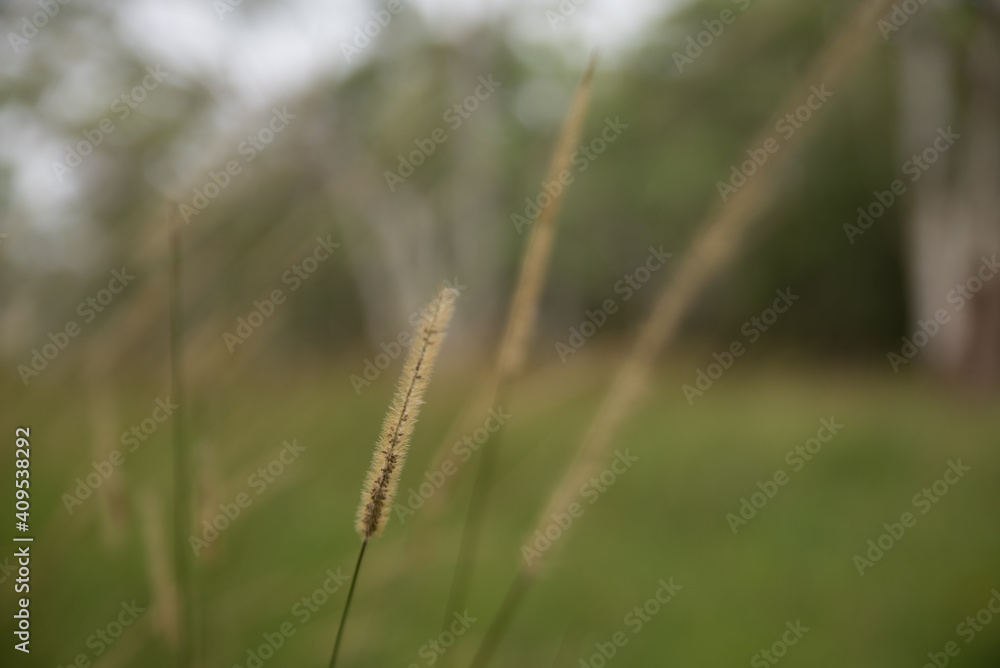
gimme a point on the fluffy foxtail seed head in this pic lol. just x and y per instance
(394, 440)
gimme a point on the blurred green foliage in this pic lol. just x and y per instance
(666, 518)
(653, 185)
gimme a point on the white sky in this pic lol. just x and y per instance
(256, 56)
(277, 51)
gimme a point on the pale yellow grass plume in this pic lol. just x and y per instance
(114, 497)
(164, 602)
(524, 304)
(390, 452)
(523, 307)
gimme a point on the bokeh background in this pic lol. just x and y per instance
(265, 130)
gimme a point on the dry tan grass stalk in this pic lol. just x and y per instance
(114, 500)
(514, 344)
(183, 475)
(390, 452)
(523, 308)
(164, 589)
(524, 304)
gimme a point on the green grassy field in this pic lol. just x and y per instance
(664, 518)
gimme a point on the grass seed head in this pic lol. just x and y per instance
(394, 440)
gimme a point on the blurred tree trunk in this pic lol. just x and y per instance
(421, 237)
(953, 206)
(979, 200)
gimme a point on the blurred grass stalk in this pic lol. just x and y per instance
(103, 420)
(715, 244)
(183, 463)
(512, 352)
(164, 590)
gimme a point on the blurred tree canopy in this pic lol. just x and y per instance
(687, 121)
